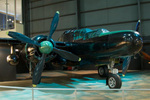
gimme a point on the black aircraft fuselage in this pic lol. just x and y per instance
(98, 46)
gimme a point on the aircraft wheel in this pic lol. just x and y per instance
(103, 71)
(114, 81)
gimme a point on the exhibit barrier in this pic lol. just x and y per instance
(17, 93)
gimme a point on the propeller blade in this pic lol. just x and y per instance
(145, 55)
(23, 38)
(66, 54)
(38, 71)
(53, 25)
(125, 65)
(137, 25)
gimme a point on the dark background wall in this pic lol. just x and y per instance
(110, 14)
(7, 72)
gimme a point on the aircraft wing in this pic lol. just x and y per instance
(9, 41)
(144, 54)
(146, 42)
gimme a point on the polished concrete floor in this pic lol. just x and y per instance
(79, 80)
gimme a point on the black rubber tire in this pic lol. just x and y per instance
(114, 81)
(103, 71)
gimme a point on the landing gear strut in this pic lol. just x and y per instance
(113, 80)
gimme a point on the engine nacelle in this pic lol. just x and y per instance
(13, 59)
(33, 53)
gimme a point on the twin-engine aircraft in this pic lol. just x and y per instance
(80, 47)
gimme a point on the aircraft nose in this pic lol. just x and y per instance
(134, 42)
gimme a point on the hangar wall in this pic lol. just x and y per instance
(110, 14)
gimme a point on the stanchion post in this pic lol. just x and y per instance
(32, 93)
(123, 95)
(75, 94)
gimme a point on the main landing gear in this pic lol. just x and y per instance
(113, 80)
(103, 71)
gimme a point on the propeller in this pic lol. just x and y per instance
(138, 25)
(127, 60)
(125, 65)
(145, 43)
(53, 25)
(45, 48)
(38, 71)
(23, 38)
(67, 55)
(145, 55)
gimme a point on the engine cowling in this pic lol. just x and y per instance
(13, 59)
(33, 53)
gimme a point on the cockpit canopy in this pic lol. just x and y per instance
(82, 34)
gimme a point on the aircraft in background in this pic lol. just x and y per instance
(80, 47)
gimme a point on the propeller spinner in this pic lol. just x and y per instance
(46, 47)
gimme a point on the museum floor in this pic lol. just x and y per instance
(86, 85)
